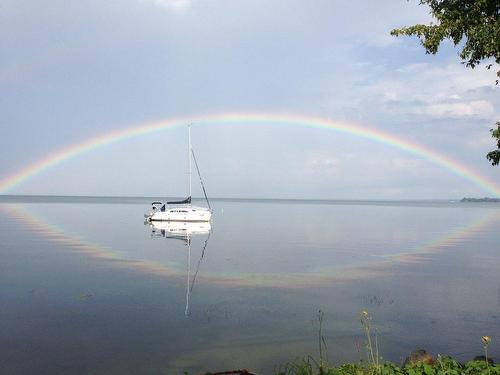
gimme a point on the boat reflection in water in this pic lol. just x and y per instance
(179, 229)
(185, 231)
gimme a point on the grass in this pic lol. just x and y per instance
(418, 362)
(443, 366)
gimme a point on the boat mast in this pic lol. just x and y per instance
(189, 158)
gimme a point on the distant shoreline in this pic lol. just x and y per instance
(144, 199)
(14, 198)
(481, 200)
(117, 197)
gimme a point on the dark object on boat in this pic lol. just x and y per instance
(185, 201)
(156, 206)
(483, 358)
(419, 356)
(232, 372)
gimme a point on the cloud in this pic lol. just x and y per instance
(322, 163)
(477, 108)
(175, 6)
(444, 92)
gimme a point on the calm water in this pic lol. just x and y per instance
(87, 288)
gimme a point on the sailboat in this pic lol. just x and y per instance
(182, 210)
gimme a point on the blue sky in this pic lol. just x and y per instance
(73, 70)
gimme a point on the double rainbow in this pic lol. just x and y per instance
(8, 183)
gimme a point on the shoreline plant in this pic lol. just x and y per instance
(418, 363)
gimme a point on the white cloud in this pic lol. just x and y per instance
(408, 165)
(326, 162)
(448, 91)
(478, 108)
(176, 6)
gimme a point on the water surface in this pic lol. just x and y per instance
(87, 287)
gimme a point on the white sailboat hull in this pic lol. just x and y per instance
(190, 213)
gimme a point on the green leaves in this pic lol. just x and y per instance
(494, 156)
(445, 366)
(480, 368)
(473, 24)
(476, 24)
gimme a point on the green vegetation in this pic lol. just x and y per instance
(472, 24)
(443, 366)
(418, 362)
(494, 156)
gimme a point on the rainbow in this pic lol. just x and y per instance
(8, 183)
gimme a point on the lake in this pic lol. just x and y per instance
(86, 287)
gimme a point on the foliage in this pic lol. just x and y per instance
(475, 25)
(444, 366)
(494, 156)
(418, 363)
(474, 22)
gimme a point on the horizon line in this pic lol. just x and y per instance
(243, 198)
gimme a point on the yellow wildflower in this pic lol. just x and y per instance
(486, 340)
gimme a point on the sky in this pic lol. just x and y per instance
(74, 70)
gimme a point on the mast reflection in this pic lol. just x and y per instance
(184, 231)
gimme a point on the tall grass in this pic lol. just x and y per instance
(374, 365)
